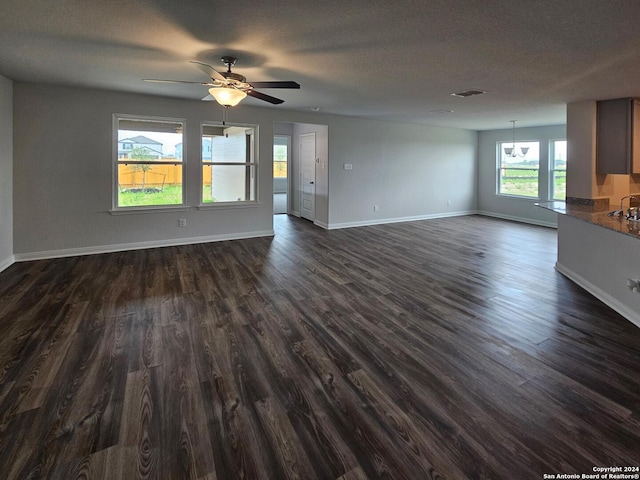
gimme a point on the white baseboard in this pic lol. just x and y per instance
(512, 218)
(615, 304)
(7, 262)
(74, 252)
(381, 221)
(294, 213)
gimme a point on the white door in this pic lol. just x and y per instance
(308, 176)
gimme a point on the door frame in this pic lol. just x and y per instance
(315, 159)
(289, 171)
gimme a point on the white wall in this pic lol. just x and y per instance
(63, 164)
(601, 261)
(581, 149)
(513, 208)
(6, 172)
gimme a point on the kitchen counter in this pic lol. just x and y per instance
(596, 216)
(593, 254)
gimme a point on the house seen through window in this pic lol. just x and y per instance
(148, 166)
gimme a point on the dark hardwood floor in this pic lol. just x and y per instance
(446, 348)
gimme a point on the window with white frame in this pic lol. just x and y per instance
(558, 169)
(280, 156)
(147, 170)
(518, 169)
(229, 163)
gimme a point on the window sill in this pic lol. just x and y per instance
(139, 210)
(520, 197)
(218, 205)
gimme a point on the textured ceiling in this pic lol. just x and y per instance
(394, 60)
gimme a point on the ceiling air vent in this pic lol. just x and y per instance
(468, 93)
(443, 111)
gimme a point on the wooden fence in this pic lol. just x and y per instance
(133, 176)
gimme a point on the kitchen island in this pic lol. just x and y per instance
(600, 253)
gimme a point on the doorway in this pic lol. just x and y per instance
(281, 170)
(307, 170)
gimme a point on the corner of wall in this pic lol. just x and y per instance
(6, 173)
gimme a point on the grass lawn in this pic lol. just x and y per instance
(524, 183)
(170, 195)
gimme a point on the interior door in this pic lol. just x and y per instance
(308, 176)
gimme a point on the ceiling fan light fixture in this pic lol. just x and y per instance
(228, 97)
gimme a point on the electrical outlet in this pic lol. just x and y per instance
(633, 285)
(449, 202)
(182, 222)
(348, 166)
(376, 208)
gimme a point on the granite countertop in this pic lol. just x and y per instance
(595, 215)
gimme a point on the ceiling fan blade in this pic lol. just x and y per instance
(266, 98)
(280, 84)
(156, 80)
(208, 98)
(209, 70)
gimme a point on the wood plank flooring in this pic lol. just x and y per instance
(439, 349)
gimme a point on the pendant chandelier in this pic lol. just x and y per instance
(511, 151)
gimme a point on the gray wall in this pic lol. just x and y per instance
(280, 185)
(409, 171)
(63, 174)
(6, 173)
(513, 208)
(63, 170)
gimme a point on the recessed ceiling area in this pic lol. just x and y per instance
(397, 61)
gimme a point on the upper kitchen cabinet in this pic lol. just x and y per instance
(618, 136)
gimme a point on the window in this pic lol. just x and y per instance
(147, 171)
(229, 163)
(558, 164)
(280, 144)
(518, 176)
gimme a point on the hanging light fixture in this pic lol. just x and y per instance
(511, 151)
(227, 97)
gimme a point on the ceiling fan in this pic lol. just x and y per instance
(229, 88)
